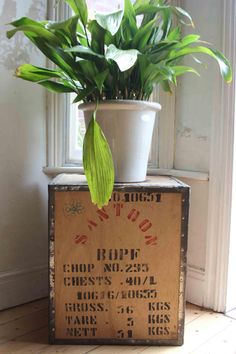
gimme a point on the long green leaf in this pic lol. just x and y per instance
(26, 21)
(34, 73)
(85, 53)
(35, 31)
(63, 60)
(84, 94)
(56, 86)
(97, 37)
(187, 40)
(80, 8)
(110, 22)
(182, 69)
(98, 164)
(100, 78)
(129, 25)
(224, 64)
(182, 15)
(68, 28)
(125, 59)
(142, 36)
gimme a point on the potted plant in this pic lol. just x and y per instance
(115, 58)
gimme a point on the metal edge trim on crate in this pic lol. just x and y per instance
(181, 188)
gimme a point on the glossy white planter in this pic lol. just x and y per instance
(128, 127)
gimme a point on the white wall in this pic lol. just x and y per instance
(23, 207)
(197, 104)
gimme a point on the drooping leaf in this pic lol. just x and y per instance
(110, 22)
(37, 31)
(68, 28)
(183, 15)
(223, 63)
(26, 21)
(56, 86)
(182, 69)
(63, 60)
(166, 86)
(34, 73)
(80, 8)
(189, 39)
(98, 164)
(125, 59)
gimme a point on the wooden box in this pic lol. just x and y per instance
(117, 275)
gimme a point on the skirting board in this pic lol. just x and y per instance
(195, 286)
(23, 285)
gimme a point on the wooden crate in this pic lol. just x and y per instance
(117, 275)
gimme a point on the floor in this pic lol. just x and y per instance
(23, 330)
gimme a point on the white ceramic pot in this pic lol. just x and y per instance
(128, 127)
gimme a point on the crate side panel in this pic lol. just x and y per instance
(117, 270)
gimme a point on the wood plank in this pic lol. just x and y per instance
(118, 349)
(23, 310)
(198, 332)
(23, 325)
(28, 343)
(36, 342)
(232, 314)
(223, 342)
(193, 312)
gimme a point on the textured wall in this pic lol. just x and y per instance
(23, 207)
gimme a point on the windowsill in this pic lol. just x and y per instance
(199, 176)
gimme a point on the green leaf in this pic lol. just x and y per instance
(85, 53)
(25, 21)
(34, 73)
(84, 94)
(174, 34)
(98, 164)
(68, 28)
(80, 8)
(63, 60)
(97, 37)
(148, 9)
(189, 39)
(129, 25)
(37, 31)
(180, 70)
(182, 15)
(110, 22)
(142, 36)
(223, 63)
(100, 78)
(88, 70)
(56, 86)
(166, 86)
(125, 59)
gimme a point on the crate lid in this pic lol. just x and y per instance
(151, 181)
